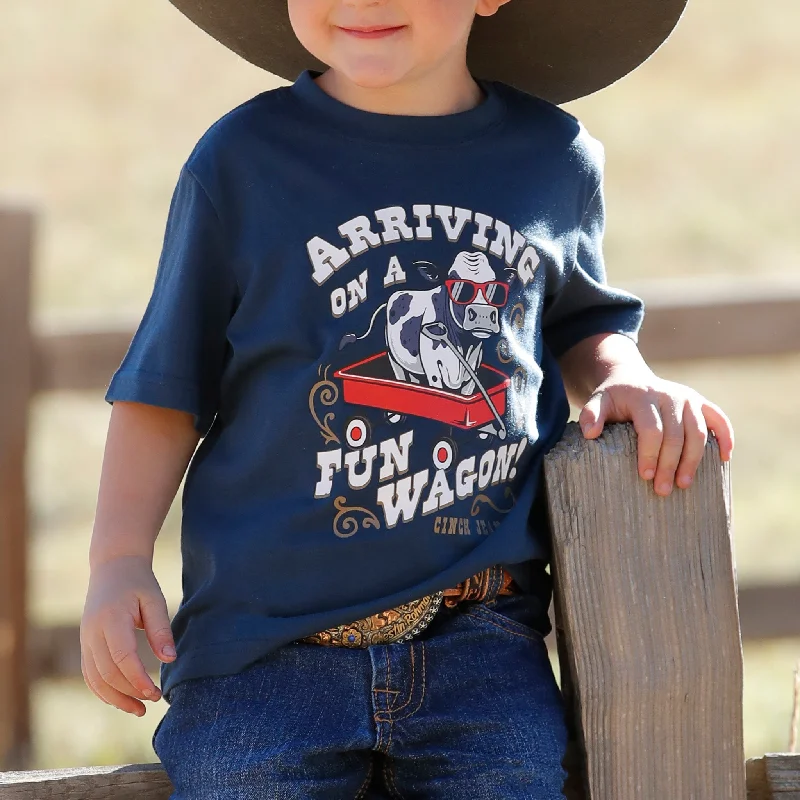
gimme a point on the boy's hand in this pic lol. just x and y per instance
(671, 421)
(123, 594)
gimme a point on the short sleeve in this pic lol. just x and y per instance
(177, 355)
(584, 305)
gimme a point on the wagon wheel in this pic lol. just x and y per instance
(358, 431)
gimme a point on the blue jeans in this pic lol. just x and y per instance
(470, 708)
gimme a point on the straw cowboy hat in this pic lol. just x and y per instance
(557, 49)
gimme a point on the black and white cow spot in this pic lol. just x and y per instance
(439, 301)
(409, 335)
(399, 307)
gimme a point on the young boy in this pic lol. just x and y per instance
(379, 286)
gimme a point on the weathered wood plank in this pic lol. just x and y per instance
(756, 773)
(127, 782)
(16, 354)
(80, 359)
(774, 776)
(783, 775)
(150, 782)
(770, 611)
(709, 318)
(648, 595)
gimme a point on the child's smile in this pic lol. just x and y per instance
(372, 33)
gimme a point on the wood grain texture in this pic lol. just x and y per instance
(757, 786)
(774, 776)
(126, 782)
(16, 353)
(783, 775)
(150, 782)
(647, 590)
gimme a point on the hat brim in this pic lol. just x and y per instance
(556, 49)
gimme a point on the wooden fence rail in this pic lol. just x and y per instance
(683, 321)
(775, 776)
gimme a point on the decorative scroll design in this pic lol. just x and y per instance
(504, 351)
(326, 392)
(517, 316)
(345, 524)
(482, 498)
(516, 320)
(519, 380)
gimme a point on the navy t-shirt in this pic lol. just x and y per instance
(363, 313)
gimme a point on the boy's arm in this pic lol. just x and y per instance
(147, 451)
(606, 375)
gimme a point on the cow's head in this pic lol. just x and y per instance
(475, 294)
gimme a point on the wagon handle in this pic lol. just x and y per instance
(438, 332)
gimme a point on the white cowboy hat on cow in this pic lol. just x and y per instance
(557, 49)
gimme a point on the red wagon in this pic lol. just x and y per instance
(371, 382)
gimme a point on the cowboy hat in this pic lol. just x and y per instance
(556, 49)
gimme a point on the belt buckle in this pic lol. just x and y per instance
(398, 624)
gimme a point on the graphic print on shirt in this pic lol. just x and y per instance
(425, 361)
(435, 339)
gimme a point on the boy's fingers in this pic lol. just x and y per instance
(99, 658)
(118, 662)
(695, 434)
(90, 678)
(111, 675)
(108, 694)
(671, 447)
(717, 421)
(592, 416)
(649, 433)
(157, 626)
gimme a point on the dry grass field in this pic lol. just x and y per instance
(102, 102)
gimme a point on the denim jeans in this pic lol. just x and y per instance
(469, 708)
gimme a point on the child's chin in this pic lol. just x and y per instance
(372, 75)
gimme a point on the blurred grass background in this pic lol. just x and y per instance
(101, 104)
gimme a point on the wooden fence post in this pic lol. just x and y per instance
(648, 622)
(16, 353)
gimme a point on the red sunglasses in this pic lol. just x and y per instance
(463, 292)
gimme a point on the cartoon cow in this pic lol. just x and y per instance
(465, 307)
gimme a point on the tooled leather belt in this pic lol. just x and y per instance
(405, 621)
